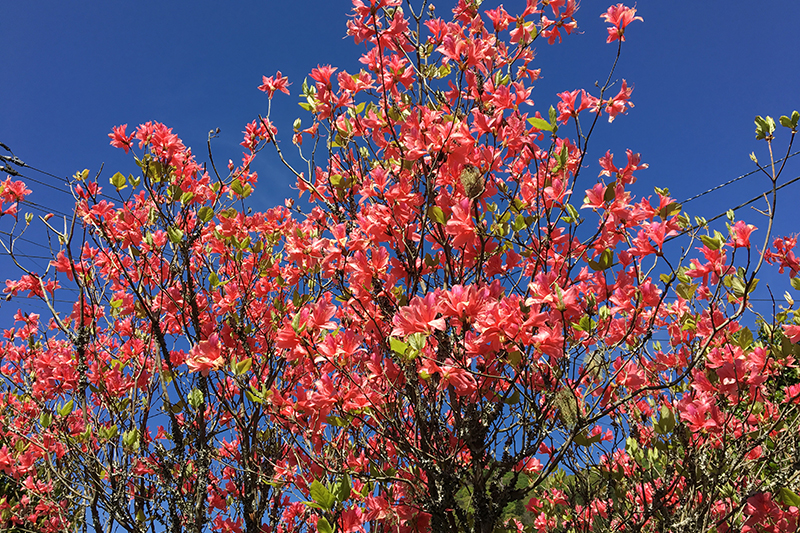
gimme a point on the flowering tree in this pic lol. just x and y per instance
(445, 332)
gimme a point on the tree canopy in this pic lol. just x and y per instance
(455, 326)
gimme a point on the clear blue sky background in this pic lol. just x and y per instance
(72, 70)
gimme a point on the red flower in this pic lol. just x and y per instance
(568, 106)
(206, 356)
(322, 74)
(620, 16)
(419, 316)
(460, 226)
(119, 139)
(620, 103)
(13, 191)
(740, 234)
(274, 83)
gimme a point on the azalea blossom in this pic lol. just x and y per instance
(619, 17)
(274, 83)
(119, 139)
(206, 356)
(740, 234)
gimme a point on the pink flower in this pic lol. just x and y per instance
(740, 234)
(792, 332)
(322, 74)
(13, 191)
(419, 316)
(6, 460)
(274, 83)
(568, 106)
(119, 139)
(619, 16)
(530, 465)
(500, 18)
(460, 225)
(792, 393)
(462, 381)
(206, 356)
(595, 197)
(620, 103)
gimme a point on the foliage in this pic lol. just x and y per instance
(445, 334)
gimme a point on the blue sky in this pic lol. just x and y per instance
(72, 70)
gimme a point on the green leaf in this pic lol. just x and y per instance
(417, 341)
(582, 439)
(764, 127)
(397, 346)
(175, 235)
(205, 213)
(66, 408)
(323, 526)
(296, 324)
(186, 197)
(540, 124)
(337, 421)
(130, 440)
(195, 398)
(45, 419)
(553, 115)
(713, 243)
(790, 123)
(789, 497)
(436, 214)
(341, 489)
(667, 421)
(686, 290)
(584, 324)
(631, 445)
(739, 287)
(254, 396)
(321, 495)
(118, 181)
(745, 339)
(611, 192)
(795, 283)
(243, 366)
(513, 399)
(604, 261)
(561, 158)
(112, 432)
(669, 210)
(573, 213)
